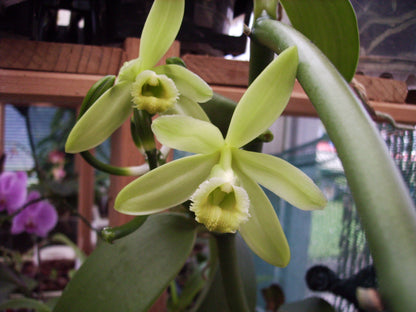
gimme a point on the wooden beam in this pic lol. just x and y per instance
(60, 57)
(68, 90)
(61, 89)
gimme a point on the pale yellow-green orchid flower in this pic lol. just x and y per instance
(223, 180)
(166, 89)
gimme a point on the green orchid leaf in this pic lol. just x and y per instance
(188, 134)
(166, 186)
(264, 100)
(187, 107)
(130, 274)
(24, 303)
(263, 232)
(160, 30)
(282, 178)
(332, 26)
(188, 83)
(101, 119)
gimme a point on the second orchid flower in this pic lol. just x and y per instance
(166, 89)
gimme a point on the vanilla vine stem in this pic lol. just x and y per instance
(383, 202)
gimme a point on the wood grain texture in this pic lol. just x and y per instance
(218, 71)
(21, 86)
(59, 57)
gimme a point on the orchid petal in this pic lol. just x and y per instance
(166, 186)
(264, 100)
(282, 178)
(160, 30)
(101, 119)
(187, 107)
(188, 134)
(13, 190)
(188, 83)
(263, 232)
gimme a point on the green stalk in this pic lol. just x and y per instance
(260, 55)
(110, 234)
(384, 204)
(231, 278)
(120, 171)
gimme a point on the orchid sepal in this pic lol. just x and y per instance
(188, 83)
(187, 107)
(282, 178)
(158, 189)
(263, 232)
(160, 30)
(188, 134)
(101, 119)
(264, 100)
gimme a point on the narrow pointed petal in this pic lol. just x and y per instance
(263, 232)
(187, 107)
(160, 30)
(188, 83)
(282, 178)
(264, 100)
(166, 186)
(188, 134)
(101, 119)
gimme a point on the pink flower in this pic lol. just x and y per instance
(56, 157)
(13, 190)
(58, 173)
(38, 218)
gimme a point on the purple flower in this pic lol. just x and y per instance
(38, 218)
(12, 190)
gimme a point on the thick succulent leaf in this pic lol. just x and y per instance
(130, 274)
(160, 30)
(101, 119)
(187, 107)
(332, 26)
(263, 232)
(264, 100)
(188, 83)
(188, 134)
(166, 186)
(282, 178)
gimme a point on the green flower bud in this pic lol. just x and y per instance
(154, 93)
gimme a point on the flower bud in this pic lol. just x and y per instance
(154, 93)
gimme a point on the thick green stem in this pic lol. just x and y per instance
(384, 204)
(120, 171)
(260, 57)
(231, 277)
(110, 234)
